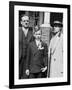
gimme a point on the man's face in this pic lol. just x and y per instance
(25, 21)
(37, 35)
(56, 29)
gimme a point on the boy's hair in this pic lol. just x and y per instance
(37, 28)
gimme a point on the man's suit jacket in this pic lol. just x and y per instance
(36, 59)
(24, 41)
(23, 45)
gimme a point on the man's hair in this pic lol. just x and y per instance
(23, 15)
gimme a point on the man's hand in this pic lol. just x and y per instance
(44, 69)
(27, 72)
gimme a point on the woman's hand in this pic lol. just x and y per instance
(44, 69)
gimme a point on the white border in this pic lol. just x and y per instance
(16, 45)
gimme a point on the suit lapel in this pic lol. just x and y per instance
(35, 48)
(29, 35)
(42, 43)
(23, 35)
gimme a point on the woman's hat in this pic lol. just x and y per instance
(57, 24)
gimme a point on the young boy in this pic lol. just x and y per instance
(37, 56)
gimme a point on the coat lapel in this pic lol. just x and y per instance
(56, 44)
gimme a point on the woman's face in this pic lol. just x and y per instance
(56, 29)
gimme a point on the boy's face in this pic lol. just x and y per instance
(37, 35)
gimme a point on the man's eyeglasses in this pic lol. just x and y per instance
(26, 21)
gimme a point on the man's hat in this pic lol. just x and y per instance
(57, 23)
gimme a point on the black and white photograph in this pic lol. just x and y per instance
(40, 44)
(39, 40)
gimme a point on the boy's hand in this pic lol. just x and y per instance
(44, 69)
(27, 72)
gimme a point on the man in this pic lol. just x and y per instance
(55, 53)
(25, 37)
(37, 56)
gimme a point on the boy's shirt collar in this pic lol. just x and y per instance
(37, 42)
